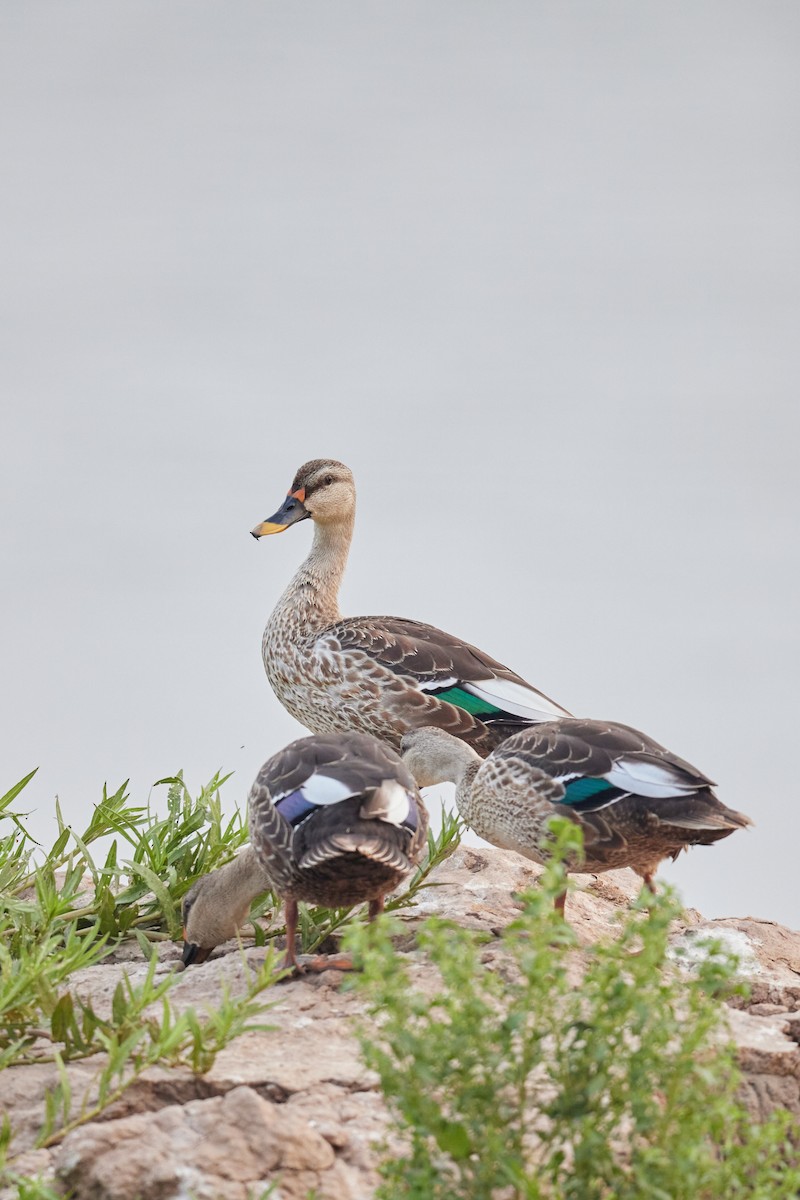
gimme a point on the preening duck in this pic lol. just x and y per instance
(378, 675)
(636, 802)
(335, 819)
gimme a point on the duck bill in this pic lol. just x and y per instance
(192, 953)
(291, 511)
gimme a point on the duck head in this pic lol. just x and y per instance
(205, 923)
(323, 489)
(434, 756)
(217, 906)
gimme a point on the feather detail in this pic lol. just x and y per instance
(317, 791)
(727, 820)
(590, 795)
(635, 802)
(294, 807)
(390, 802)
(658, 780)
(321, 789)
(518, 699)
(437, 685)
(371, 848)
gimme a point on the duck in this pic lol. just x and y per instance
(379, 675)
(217, 905)
(635, 802)
(335, 819)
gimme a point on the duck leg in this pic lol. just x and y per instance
(319, 962)
(338, 962)
(647, 882)
(290, 917)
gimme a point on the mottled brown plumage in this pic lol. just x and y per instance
(379, 675)
(335, 819)
(636, 802)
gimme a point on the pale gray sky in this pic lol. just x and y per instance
(531, 269)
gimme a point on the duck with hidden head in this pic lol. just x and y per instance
(635, 802)
(336, 820)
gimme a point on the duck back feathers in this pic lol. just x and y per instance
(336, 819)
(386, 675)
(636, 801)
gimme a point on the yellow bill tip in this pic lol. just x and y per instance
(267, 527)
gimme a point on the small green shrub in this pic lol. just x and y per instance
(134, 1038)
(563, 1074)
(150, 864)
(61, 911)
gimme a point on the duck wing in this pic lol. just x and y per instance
(446, 673)
(614, 770)
(614, 756)
(337, 793)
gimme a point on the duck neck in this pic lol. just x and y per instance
(240, 881)
(312, 598)
(464, 784)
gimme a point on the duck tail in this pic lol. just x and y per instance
(375, 849)
(706, 812)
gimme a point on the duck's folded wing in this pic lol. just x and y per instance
(441, 666)
(348, 783)
(355, 760)
(323, 770)
(597, 763)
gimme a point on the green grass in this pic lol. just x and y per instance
(64, 909)
(510, 1081)
(516, 1081)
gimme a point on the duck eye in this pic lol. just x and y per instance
(328, 480)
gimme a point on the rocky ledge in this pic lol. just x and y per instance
(296, 1102)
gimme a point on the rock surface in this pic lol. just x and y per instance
(296, 1103)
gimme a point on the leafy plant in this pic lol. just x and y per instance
(519, 1082)
(32, 973)
(134, 1038)
(27, 1187)
(170, 853)
(138, 890)
(62, 910)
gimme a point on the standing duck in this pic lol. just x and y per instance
(335, 819)
(379, 675)
(635, 801)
